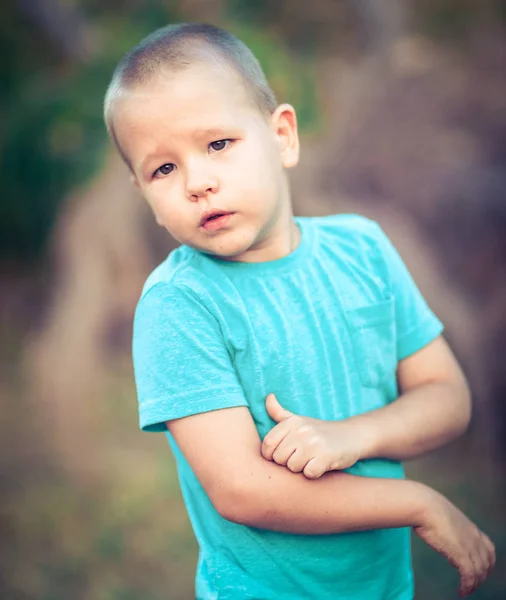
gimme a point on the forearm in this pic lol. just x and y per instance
(279, 500)
(421, 420)
(224, 450)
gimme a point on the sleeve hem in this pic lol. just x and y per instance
(418, 337)
(154, 413)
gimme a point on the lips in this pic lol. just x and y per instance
(215, 220)
(211, 215)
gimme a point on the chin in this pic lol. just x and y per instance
(232, 253)
(228, 247)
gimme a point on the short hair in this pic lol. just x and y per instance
(174, 47)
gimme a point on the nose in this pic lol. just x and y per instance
(200, 182)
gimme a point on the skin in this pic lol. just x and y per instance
(183, 169)
(434, 408)
(180, 128)
(249, 490)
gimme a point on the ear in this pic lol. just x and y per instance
(284, 122)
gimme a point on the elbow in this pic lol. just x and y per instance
(468, 406)
(464, 408)
(237, 503)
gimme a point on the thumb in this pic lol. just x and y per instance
(275, 410)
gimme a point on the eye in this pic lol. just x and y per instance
(164, 169)
(219, 145)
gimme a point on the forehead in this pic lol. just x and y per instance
(183, 104)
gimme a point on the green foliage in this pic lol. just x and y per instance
(291, 77)
(53, 138)
(53, 141)
(248, 12)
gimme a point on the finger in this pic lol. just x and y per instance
(480, 561)
(315, 468)
(466, 587)
(467, 577)
(485, 557)
(490, 550)
(283, 452)
(274, 409)
(477, 555)
(297, 461)
(272, 440)
(465, 568)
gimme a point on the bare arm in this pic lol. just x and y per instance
(433, 409)
(223, 449)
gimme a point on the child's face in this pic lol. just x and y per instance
(196, 144)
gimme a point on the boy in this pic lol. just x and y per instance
(321, 312)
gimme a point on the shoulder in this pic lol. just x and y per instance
(185, 285)
(350, 233)
(347, 225)
(178, 268)
(184, 273)
(167, 295)
(169, 305)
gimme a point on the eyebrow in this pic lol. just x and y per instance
(197, 134)
(214, 131)
(147, 160)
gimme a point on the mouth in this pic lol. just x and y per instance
(214, 219)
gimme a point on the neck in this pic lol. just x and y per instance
(281, 241)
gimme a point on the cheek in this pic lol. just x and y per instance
(253, 170)
(155, 202)
(161, 202)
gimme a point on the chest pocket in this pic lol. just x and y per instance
(372, 330)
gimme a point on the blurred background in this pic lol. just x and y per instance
(402, 107)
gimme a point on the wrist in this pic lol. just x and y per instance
(367, 436)
(425, 503)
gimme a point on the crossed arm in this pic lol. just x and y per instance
(247, 489)
(434, 408)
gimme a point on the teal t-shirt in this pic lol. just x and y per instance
(323, 328)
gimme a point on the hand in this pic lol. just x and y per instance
(310, 446)
(453, 535)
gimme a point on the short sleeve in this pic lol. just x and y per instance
(181, 363)
(416, 324)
